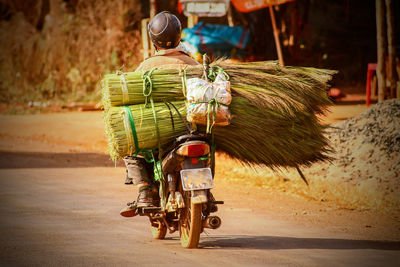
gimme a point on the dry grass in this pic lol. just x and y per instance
(274, 109)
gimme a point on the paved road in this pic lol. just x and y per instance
(63, 209)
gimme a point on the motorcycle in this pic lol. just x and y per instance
(185, 179)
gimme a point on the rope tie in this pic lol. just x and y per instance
(182, 73)
(124, 87)
(214, 71)
(214, 104)
(212, 107)
(147, 85)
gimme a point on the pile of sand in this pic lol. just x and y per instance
(368, 147)
(365, 171)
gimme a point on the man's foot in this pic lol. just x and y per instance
(129, 210)
(144, 198)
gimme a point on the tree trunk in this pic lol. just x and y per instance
(392, 72)
(381, 45)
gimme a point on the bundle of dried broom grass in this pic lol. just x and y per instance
(274, 109)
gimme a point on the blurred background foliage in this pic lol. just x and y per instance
(58, 50)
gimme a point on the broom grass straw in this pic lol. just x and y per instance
(274, 112)
(145, 127)
(167, 86)
(266, 84)
(255, 136)
(266, 137)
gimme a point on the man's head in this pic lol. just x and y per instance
(165, 30)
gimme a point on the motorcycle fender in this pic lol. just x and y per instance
(175, 203)
(199, 196)
(179, 200)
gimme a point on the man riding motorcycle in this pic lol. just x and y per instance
(165, 33)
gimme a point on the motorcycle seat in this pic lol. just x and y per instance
(190, 137)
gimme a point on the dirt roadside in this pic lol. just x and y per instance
(60, 155)
(78, 133)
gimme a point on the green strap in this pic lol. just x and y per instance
(133, 128)
(148, 154)
(147, 92)
(157, 128)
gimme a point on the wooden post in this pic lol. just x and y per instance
(276, 36)
(153, 8)
(392, 72)
(230, 16)
(145, 39)
(381, 45)
(192, 20)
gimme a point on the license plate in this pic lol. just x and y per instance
(197, 179)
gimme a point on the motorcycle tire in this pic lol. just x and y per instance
(190, 224)
(159, 232)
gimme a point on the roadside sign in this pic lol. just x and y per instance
(205, 8)
(251, 5)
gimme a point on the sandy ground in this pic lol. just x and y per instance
(61, 198)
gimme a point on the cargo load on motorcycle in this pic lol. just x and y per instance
(257, 112)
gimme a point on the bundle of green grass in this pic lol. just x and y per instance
(132, 129)
(127, 88)
(274, 111)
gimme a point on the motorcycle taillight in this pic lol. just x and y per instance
(194, 149)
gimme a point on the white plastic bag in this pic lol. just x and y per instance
(198, 113)
(199, 90)
(209, 99)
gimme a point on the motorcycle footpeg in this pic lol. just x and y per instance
(217, 202)
(143, 210)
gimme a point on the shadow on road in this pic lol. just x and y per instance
(275, 242)
(18, 160)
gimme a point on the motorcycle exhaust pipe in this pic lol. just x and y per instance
(212, 222)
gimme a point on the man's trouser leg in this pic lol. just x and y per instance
(140, 173)
(136, 170)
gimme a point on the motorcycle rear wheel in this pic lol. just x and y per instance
(190, 224)
(159, 232)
